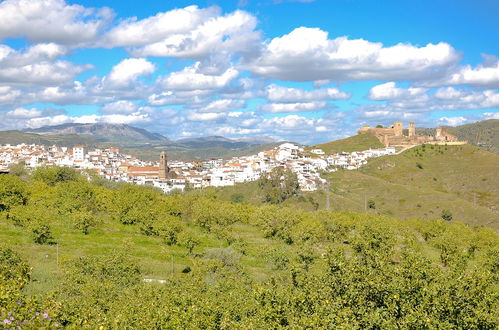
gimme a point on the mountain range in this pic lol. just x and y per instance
(138, 141)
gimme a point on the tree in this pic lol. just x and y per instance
(446, 215)
(371, 204)
(278, 185)
(13, 191)
(52, 175)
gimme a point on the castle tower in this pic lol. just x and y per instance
(163, 166)
(412, 129)
(438, 133)
(398, 128)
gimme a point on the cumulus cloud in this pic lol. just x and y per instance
(37, 65)
(294, 107)
(344, 59)
(191, 78)
(128, 70)
(133, 32)
(388, 91)
(119, 107)
(24, 113)
(8, 95)
(485, 75)
(201, 35)
(51, 21)
(277, 93)
(222, 106)
(205, 116)
(452, 121)
(404, 103)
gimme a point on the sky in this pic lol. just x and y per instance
(299, 70)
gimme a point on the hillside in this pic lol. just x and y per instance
(80, 254)
(17, 137)
(423, 181)
(484, 133)
(357, 142)
(462, 179)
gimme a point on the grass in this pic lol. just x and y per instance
(156, 259)
(357, 142)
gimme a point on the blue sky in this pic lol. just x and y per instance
(302, 70)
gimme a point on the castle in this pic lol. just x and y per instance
(394, 135)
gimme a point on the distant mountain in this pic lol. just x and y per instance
(218, 141)
(17, 137)
(258, 140)
(120, 133)
(138, 141)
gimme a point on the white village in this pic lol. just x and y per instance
(173, 175)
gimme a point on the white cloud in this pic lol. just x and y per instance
(8, 95)
(119, 107)
(294, 107)
(134, 118)
(232, 33)
(133, 32)
(452, 121)
(222, 106)
(281, 94)
(491, 115)
(24, 113)
(128, 70)
(483, 75)
(191, 79)
(36, 65)
(51, 20)
(205, 116)
(306, 54)
(388, 91)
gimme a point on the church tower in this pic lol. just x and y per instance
(163, 166)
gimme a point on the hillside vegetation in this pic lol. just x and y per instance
(421, 182)
(76, 253)
(357, 142)
(483, 133)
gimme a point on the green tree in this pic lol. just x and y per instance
(13, 191)
(52, 175)
(278, 185)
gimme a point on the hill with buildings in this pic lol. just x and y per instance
(358, 142)
(421, 182)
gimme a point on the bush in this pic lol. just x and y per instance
(52, 175)
(446, 215)
(13, 191)
(41, 232)
(83, 221)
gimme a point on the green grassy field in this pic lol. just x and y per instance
(156, 260)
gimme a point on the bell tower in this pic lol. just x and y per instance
(163, 166)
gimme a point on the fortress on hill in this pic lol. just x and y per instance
(395, 135)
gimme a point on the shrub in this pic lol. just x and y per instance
(41, 232)
(446, 215)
